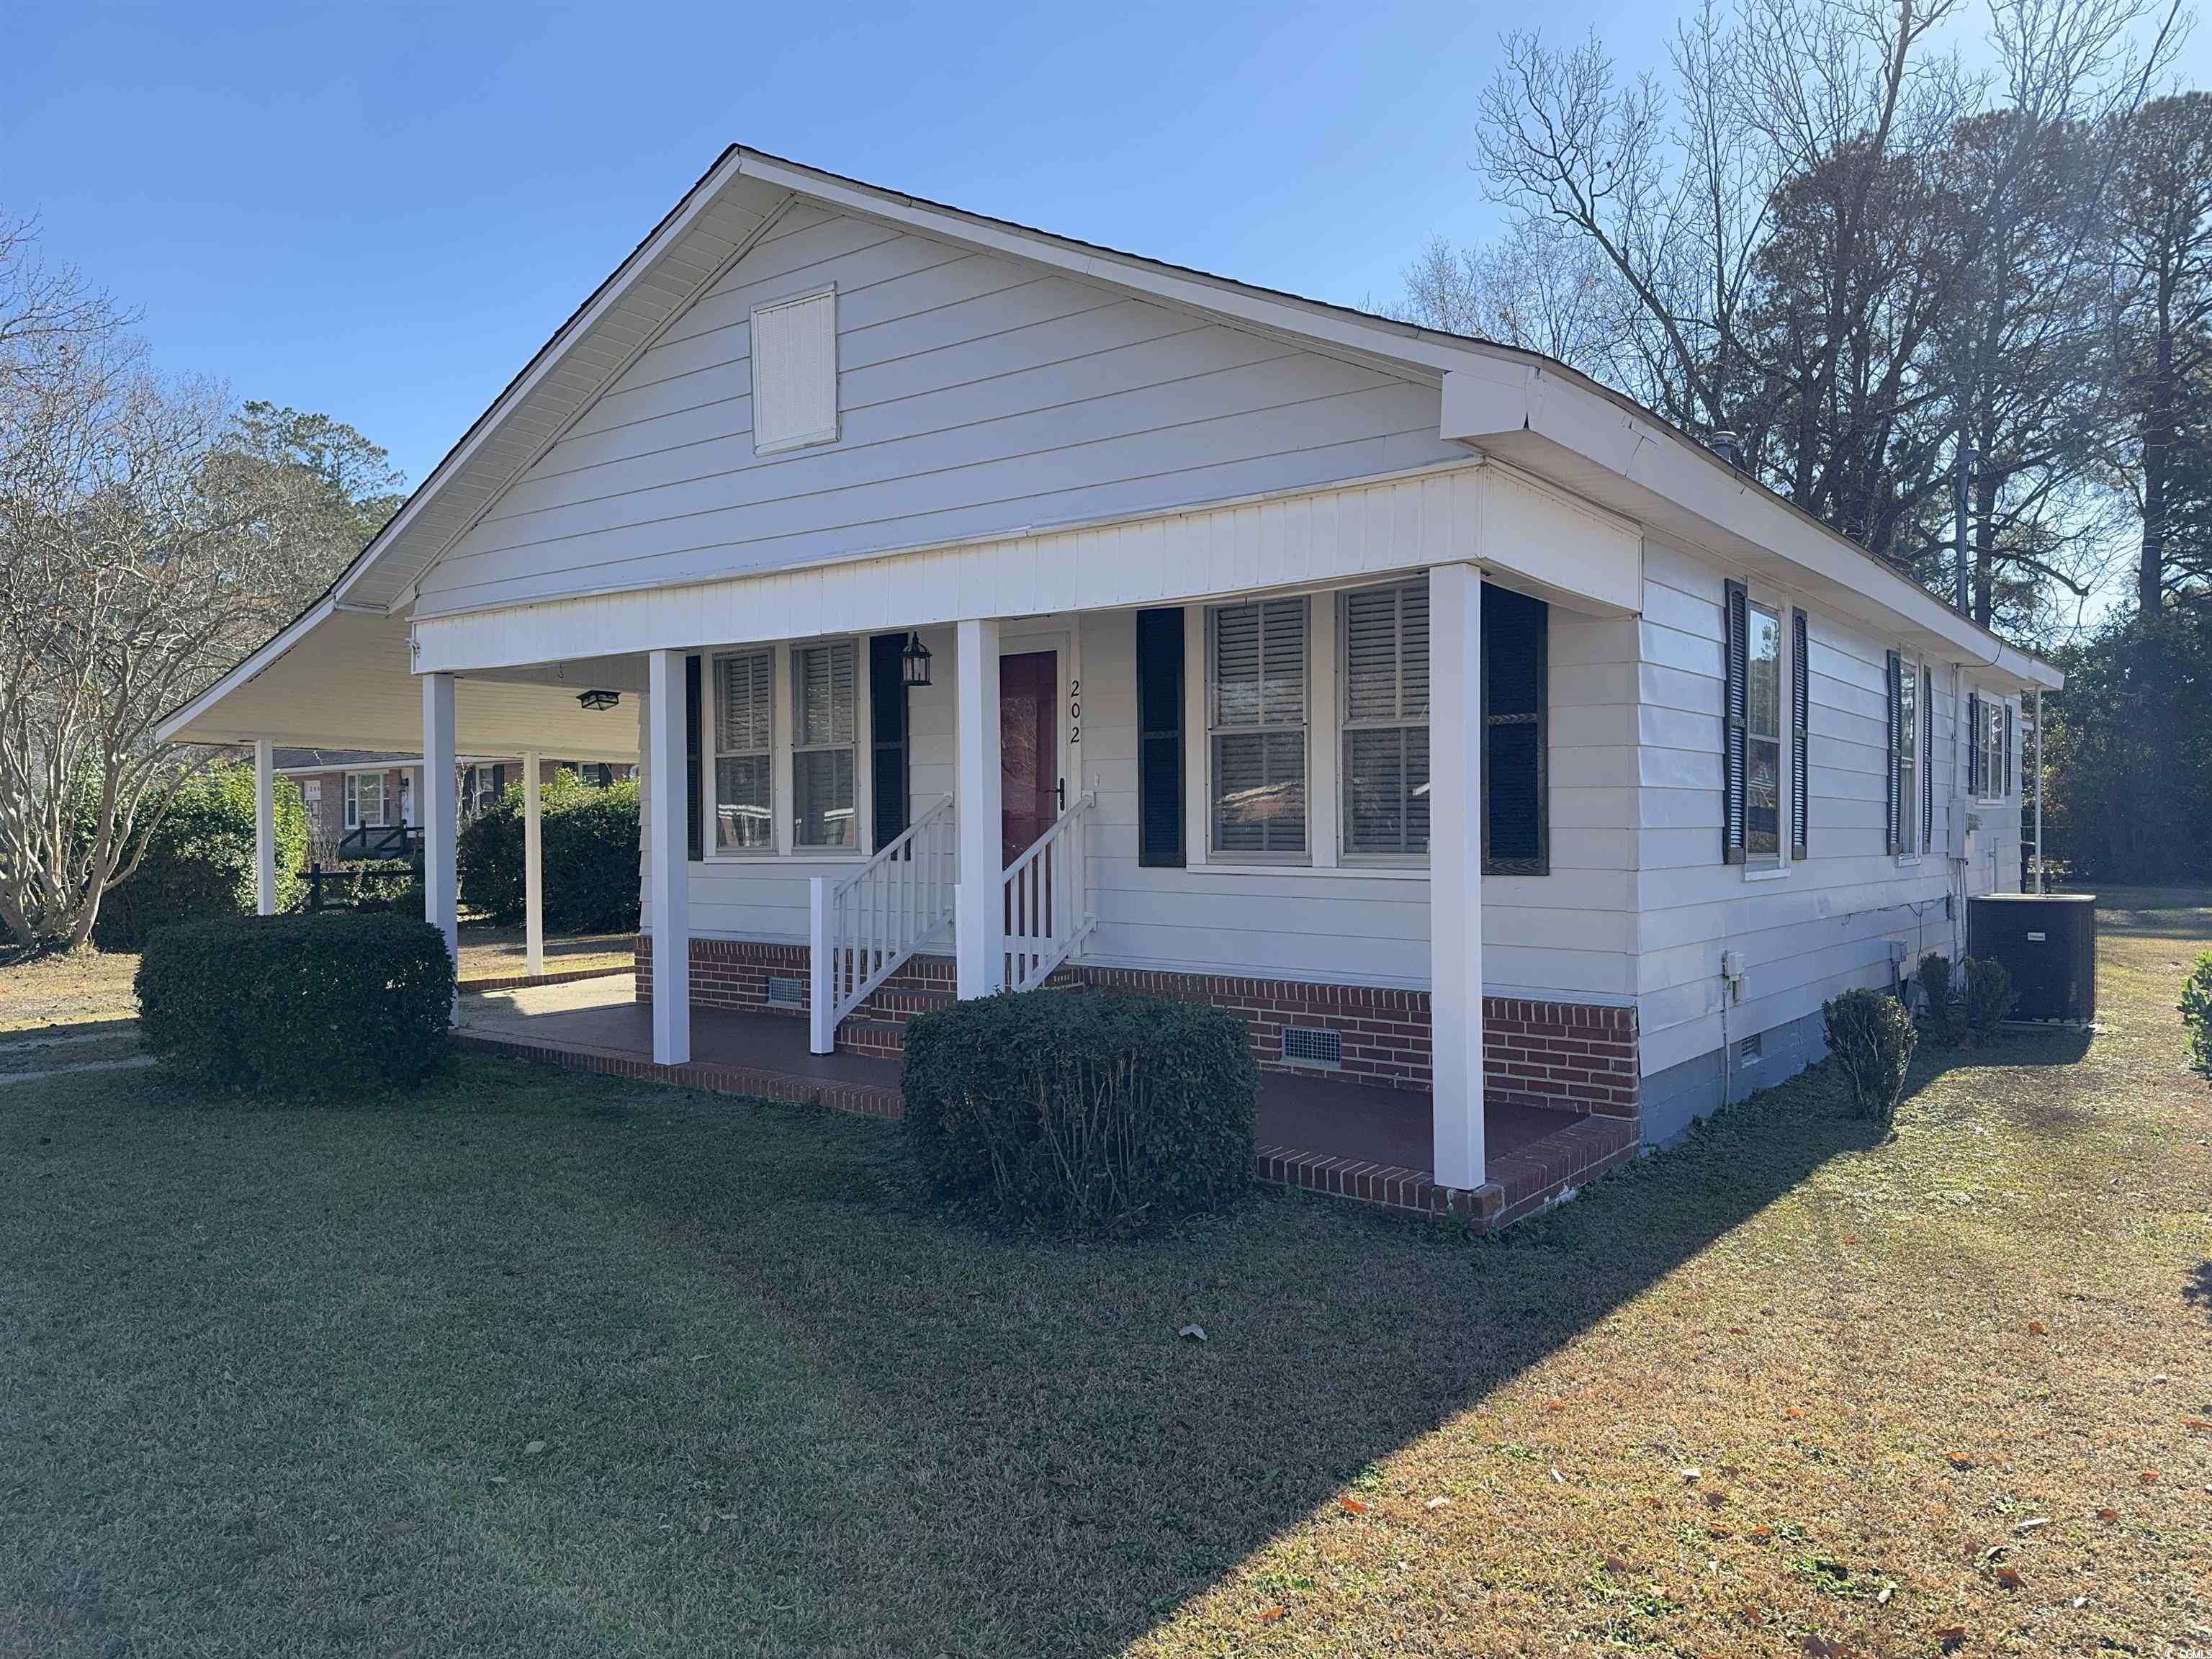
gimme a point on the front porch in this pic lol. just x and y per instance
(1318, 1132)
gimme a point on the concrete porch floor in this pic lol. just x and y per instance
(1350, 1139)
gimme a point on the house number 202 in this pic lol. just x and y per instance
(1075, 711)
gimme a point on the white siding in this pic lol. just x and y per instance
(978, 396)
(1569, 933)
(1825, 925)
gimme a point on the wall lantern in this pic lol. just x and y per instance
(597, 701)
(914, 660)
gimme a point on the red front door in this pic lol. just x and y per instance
(1029, 748)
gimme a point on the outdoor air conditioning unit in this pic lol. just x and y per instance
(2048, 943)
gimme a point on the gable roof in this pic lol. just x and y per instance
(734, 204)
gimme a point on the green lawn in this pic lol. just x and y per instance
(541, 1365)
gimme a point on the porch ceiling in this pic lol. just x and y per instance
(344, 681)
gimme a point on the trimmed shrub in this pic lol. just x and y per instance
(1082, 1111)
(591, 843)
(1872, 1038)
(1940, 1008)
(393, 885)
(1989, 998)
(199, 863)
(329, 1005)
(2196, 1013)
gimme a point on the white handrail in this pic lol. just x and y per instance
(1048, 900)
(862, 926)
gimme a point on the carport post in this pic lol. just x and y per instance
(265, 827)
(441, 812)
(533, 869)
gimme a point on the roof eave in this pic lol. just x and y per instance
(1496, 400)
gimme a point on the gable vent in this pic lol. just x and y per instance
(1308, 1045)
(795, 353)
(786, 991)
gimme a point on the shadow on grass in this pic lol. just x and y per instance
(67, 1030)
(781, 1403)
(2197, 1290)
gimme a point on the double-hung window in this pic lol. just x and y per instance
(1256, 729)
(745, 767)
(1763, 736)
(364, 803)
(1993, 750)
(1386, 721)
(824, 745)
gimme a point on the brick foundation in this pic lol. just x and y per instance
(1571, 1056)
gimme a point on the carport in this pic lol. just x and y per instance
(340, 677)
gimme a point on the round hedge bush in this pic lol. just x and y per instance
(1082, 1111)
(329, 1005)
(199, 863)
(591, 846)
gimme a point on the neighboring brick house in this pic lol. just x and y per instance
(361, 803)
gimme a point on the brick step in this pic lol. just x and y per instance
(922, 973)
(899, 1003)
(882, 1038)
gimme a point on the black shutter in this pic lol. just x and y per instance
(1927, 760)
(694, 741)
(1735, 710)
(1973, 742)
(1159, 737)
(1895, 831)
(1517, 838)
(887, 735)
(2009, 771)
(498, 781)
(1800, 721)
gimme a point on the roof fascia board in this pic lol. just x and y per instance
(1502, 398)
(550, 360)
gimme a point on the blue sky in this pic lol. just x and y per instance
(381, 211)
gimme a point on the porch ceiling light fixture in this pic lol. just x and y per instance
(914, 660)
(597, 701)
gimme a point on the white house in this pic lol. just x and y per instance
(1467, 727)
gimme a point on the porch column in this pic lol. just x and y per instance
(440, 809)
(533, 869)
(668, 857)
(979, 918)
(1455, 870)
(265, 827)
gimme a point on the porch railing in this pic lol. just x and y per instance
(1047, 901)
(863, 925)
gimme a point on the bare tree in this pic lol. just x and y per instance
(1828, 237)
(148, 540)
(1539, 287)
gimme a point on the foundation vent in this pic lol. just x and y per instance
(786, 991)
(1308, 1045)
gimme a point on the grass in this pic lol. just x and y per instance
(92, 987)
(538, 1363)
